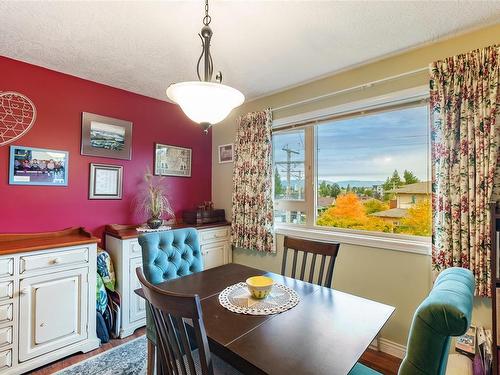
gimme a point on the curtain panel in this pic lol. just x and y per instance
(464, 92)
(252, 218)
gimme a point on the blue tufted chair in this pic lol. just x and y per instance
(446, 312)
(168, 255)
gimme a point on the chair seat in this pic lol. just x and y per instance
(360, 369)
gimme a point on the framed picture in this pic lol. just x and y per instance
(106, 137)
(172, 161)
(106, 181)
(467, 342)
(226, 153)
(38, 166)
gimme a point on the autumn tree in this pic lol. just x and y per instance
(349, 212)
(418, 220)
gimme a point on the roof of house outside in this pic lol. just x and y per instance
(325, 201)
(396, 213)
(423, 187)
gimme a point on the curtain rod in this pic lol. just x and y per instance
(354, 88)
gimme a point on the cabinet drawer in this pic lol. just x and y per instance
(5, 336)
(5, 359)
(135, 248)
(6, 267)
(6, 313)
(211, 235)
(58, 258)
(6, 290)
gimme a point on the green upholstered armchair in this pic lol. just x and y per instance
(165, 256)
(444, 313)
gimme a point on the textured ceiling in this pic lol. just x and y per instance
(260, 46)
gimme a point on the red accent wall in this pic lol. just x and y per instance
(60, 100)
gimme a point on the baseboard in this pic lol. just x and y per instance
(392, 348)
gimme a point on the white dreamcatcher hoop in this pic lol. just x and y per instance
(17, 116)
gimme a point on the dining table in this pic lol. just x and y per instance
(325, 333)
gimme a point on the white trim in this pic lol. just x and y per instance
(393, 98)
(406, 244)
(392, 348)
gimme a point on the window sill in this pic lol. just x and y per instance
(416, 246)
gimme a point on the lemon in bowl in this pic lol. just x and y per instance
(259, 286)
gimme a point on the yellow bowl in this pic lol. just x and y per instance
(259, 286)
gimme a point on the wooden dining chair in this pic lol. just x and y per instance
(173, 314)
(327, 251)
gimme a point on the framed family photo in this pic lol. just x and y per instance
(172, 161)
(38, 166)
(106, 137)
(226, 153)
(106, 181)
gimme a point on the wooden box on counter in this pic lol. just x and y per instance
(197, 217)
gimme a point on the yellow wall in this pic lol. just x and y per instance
(397, 278)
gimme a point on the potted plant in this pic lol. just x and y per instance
(154, 202)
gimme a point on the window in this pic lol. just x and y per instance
(367, 172)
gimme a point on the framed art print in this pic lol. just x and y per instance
(106, 181)
(106, 137)
(172, 161)
(38, 166)
(226, 153)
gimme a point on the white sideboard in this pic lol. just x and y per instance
(47, 298)
(123, 246)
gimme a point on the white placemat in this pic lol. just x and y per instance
(237, 298)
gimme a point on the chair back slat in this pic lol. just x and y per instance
(312, 269)
(303, 268)
(327, 251)
(170, 312)
(283, 264)
(294, 263)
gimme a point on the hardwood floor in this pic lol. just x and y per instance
(384, 363)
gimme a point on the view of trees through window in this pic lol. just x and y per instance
(371, 172)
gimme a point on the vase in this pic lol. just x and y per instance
(155, 223)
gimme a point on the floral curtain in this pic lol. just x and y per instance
(252, 219)
(465, 98)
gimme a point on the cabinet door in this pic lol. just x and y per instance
(52, 312)
(214, 254)
(137, 304)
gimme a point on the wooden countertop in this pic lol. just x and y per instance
(24, 242)
(125, 232)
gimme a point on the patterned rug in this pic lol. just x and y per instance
(126, 359)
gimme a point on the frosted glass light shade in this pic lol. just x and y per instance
(205, 102)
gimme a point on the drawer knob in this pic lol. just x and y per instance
(56, 260)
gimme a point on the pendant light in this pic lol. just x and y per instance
(204, 101)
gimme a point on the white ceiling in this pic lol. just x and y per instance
(260, 46)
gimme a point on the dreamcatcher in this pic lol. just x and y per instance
(17, 116)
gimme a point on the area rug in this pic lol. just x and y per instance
(126, 359)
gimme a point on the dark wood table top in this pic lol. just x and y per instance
(326, 333)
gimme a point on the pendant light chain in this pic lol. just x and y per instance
(207, 19)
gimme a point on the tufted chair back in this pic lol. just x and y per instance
(168, 255)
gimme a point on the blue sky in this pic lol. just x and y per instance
(368, 147)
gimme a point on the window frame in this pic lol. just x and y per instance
(308, 122)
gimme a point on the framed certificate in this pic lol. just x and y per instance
(105, 181)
